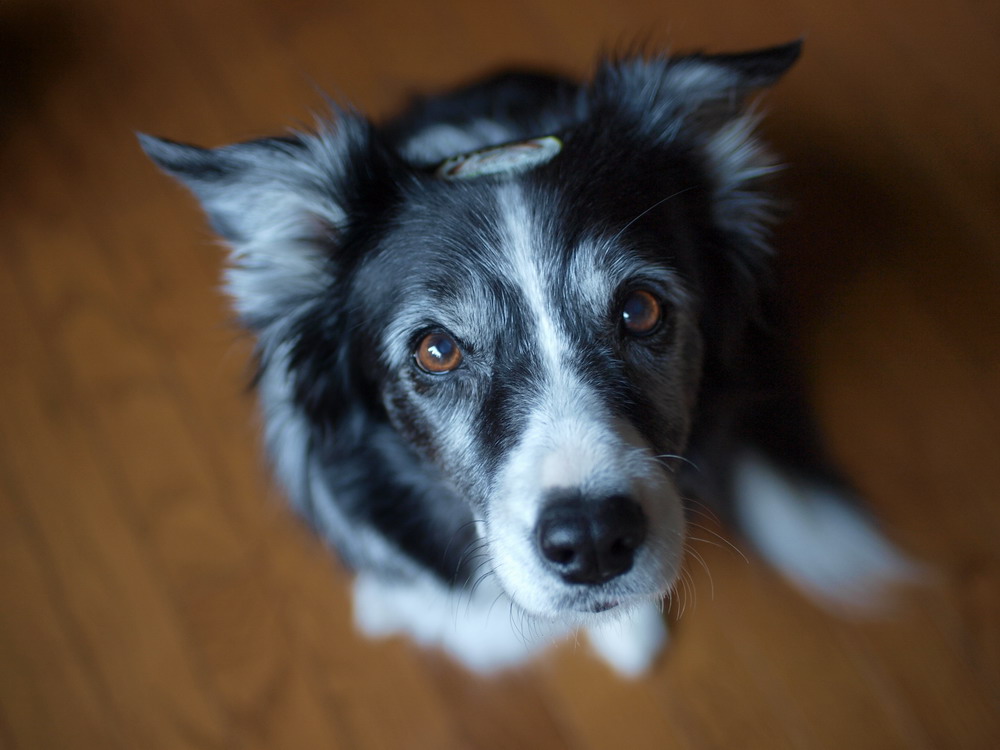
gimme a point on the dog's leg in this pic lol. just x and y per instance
(630, 645)
(805, 519)
(817, 536)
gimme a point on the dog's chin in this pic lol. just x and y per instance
(592, 605)
(598, 611)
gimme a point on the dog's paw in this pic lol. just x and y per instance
(820, 540)
(630, 645)
(480, 632)
(382, 609)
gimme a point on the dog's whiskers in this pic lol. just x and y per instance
(707, 515)
(471, 593)
(725, 542)
(451, 539)
(483, 577)
(472, 550)
(465, 589)
(694, 589)
(677, 457)
(499, 596)
(706, 509)
(658, 203)
(701, 561)
(683, 594)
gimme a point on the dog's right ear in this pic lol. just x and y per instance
(282, 204)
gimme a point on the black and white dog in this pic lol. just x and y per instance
(497, 333)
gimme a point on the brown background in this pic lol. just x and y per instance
(154, 592)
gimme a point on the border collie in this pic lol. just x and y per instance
(504, 336)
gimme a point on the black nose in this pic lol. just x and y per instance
(589, 541)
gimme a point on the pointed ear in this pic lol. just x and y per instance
(280, 203)
(701, 100)
(673, 94)
(758, 68)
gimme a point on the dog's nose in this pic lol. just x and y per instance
(587, 541)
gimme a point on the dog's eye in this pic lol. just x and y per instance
(438, 353)
(641, 313)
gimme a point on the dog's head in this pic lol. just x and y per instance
(532, 320)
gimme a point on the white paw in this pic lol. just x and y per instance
(481, 633)
(379, 607)
(630, 645)
(818, 539)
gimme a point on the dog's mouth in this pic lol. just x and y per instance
(609, 601)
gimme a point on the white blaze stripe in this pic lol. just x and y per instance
(525, 260)
(570, 439)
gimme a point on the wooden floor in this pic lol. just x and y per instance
(155, 593)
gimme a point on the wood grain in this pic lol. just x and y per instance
(156, 592)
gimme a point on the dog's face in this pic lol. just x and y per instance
(547, 375)
(534, 336)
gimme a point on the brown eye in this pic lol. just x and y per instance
(641, 313)
(438, 353)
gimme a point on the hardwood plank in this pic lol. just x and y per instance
(48, 691)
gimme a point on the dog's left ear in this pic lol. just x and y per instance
(286, 207)
(719, 84)
(686, 93)
(701, 101)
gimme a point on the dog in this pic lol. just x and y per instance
(505, 335)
